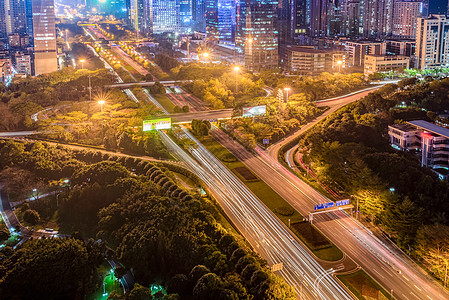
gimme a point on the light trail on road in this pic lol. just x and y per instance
(393, 271)
(268, 236)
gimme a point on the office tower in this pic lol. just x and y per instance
(220, 21)
(164, 16)
(12, 17)
(299, 21)
(351, 18)
(335, 18)
(199, 12)
(45, 60)
(284, 22)
(432, 36)
(318, 17)
(186, 14)
(257, 37)
(138, 15)
(405, 15)
(377, 18)
(29, 17)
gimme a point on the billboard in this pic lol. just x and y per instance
(252, 111)
(156, 124)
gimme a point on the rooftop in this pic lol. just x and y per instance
(442, 131)
(307, 49)
(404, 127)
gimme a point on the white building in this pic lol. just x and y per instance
(356, 51)
(432, 42)
(404, 18)
(383, 64)
(429, 139)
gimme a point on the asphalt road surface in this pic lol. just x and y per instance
(269, 237)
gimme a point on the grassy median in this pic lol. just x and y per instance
(262, 190)
(165, 102)
(363, 286)
(271, 199)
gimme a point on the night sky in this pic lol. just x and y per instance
(438, 6)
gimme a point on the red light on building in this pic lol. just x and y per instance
(426, 135)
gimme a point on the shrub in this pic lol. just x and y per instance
(31, 216)
(284, 210)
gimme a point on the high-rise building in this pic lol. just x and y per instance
(377, 18)
(405, 14)
(285, 17)
(12, 17)
(432, 42)
(137, 13)
(299, 21)
(220, 21)
(198, 15)
(351, 18)
(257, 36)
(164, 16)
(318, 17)
(186, 14)
(45, 59)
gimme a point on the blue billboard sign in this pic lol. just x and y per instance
(342, 202)
(324, 205)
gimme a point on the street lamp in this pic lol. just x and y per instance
(101, 102)
(287, 89)
(236, 69)
(339, 63)
(82, 63)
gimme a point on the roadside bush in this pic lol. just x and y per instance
(31, 216)
(284, 210)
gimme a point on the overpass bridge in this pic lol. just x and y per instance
(148, 83)
(212, 115)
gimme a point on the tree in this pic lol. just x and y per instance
(139, 293)
(4, 234)
(432, 244)
(31, 216)
(403, 218)
(207, 287)
(49, 269)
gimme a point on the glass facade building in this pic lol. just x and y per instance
(256, 33)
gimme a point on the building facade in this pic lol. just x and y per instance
(306, 60)
(220, 21)
(256, 33)
(45, 56)
(432, 42)
(384, 64)
(428, 139)
(22, 63)
(356, 51)
(405, 15)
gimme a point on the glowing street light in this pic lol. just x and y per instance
(101, 102)
(339, 63)
(236, 69)
(287, 89)
(82, 63)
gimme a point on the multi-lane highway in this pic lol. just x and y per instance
(181, 98)
(269, 237)
(390, 267)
